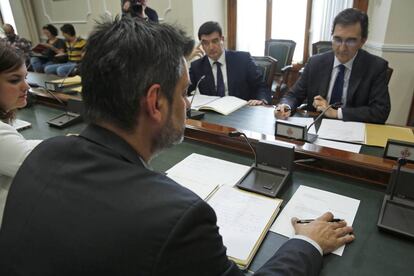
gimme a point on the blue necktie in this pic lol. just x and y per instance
(336, 96)
(220, 81)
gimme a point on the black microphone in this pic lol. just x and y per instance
(401, 162)
(59, 86)
(238, 134)
(68, 118)
(334, 105)
(195, 114)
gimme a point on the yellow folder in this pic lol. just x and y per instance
(377, 135)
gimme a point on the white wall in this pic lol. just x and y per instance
(211, 10)
(392, 37)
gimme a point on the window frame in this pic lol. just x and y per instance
(232, 22)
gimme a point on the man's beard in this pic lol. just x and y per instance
(168, 137)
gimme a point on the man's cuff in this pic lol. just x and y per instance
(340, 116)
(309, 240)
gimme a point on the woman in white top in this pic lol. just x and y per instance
(13, 92)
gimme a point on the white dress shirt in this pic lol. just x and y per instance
(335, 71)
(222, 60)
(13, 150)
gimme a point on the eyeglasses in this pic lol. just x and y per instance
(206, 43)
(349, 42)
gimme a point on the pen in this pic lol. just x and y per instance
(310, 220)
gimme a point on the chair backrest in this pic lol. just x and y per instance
(267, 66)
(282, 50)
(389, 74)
(321, 47)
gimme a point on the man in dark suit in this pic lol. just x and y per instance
(90, 205)
(348, 75)
(227, 73)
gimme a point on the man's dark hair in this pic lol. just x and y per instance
(68, 29)
(123, 58)
(52, 29)
(209, 28)
(350, 17)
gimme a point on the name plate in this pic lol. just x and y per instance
(399, 149)
(290, 130)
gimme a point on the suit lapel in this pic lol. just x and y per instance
(325, 73)
(357, 73)
(230, 77)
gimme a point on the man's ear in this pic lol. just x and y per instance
(154, 103)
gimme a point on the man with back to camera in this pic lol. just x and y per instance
(347, 75)
(96, 208)
(227, 73)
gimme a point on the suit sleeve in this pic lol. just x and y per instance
(257, 87)
(379, 105)
(195, 247)
(193, 81)
(299, 92)
(295, 257)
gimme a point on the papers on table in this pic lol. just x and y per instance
(342, 131)
(377, 135)
(310, 203)
(20, 124)
(200, 100)
(203, 174)
(303, 121)
(338, 145)
(243, 219)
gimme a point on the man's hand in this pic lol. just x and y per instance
(198, 52)
(329, 235)
(320, 104)
(282, 111)
(255, 102)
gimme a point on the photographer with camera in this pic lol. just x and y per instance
(140, 9)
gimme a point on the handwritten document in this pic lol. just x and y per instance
(310, 203)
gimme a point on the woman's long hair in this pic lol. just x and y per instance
(10, 60)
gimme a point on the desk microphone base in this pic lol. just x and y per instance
(195, 114)
(65, 120)
(397, 216)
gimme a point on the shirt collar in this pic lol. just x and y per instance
(348, 65)
(222, 59)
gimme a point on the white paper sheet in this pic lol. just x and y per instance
(338, 145)
(342, 131)
(200, 100)
(241, 218)
(310, 203)
(20, 124)
(202, 174)
(303, 121)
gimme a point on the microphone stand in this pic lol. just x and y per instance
(241, 134)
(195, 114)
(401, 162)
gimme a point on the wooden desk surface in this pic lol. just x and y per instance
(372, 253)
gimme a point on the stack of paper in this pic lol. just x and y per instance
(203, 174)
(342, 131)
(377, 135)
(311, 203)
(20, 124)
(243, 218)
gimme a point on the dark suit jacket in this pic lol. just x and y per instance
(244, 80)
(368, 99)
(88, 206)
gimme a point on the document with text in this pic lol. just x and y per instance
(342, 131)
(223, 105)
(311, 203)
